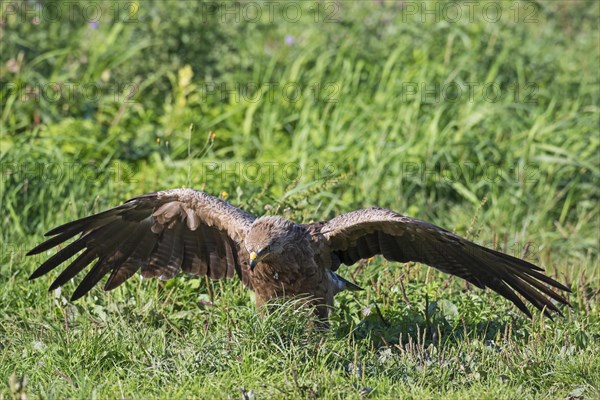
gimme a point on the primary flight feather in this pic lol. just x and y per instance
(163, 233)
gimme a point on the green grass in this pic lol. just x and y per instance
(519, 173)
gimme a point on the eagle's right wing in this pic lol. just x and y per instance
(160, 233)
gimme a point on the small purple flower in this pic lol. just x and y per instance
(93, 25)
(289, 40)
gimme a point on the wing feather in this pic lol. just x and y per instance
(74, 268)
(135, 249)
(400, 238)
(160, 233)
(194, 261)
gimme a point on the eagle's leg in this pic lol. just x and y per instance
(320, 307)
(322, 313)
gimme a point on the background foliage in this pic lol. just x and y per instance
(483, 121)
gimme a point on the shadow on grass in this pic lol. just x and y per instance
(402, 327)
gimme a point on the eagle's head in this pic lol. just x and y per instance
(269, 236)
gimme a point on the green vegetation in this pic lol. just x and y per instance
(484, 123)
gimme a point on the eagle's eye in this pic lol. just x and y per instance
(264, 250)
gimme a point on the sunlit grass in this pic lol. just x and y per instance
(519, 173)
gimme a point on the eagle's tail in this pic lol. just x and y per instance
(342, 283)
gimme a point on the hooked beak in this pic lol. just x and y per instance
(252, 260)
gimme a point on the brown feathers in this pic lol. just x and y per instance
(161, 234)
(364, 233)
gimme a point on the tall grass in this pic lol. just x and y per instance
(354, 104)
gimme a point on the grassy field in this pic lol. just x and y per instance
(479, 117)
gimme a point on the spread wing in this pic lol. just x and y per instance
(365, 233)
(160, 233)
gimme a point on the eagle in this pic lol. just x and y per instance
(163, 233)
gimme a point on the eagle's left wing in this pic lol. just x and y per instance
(368, 232)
